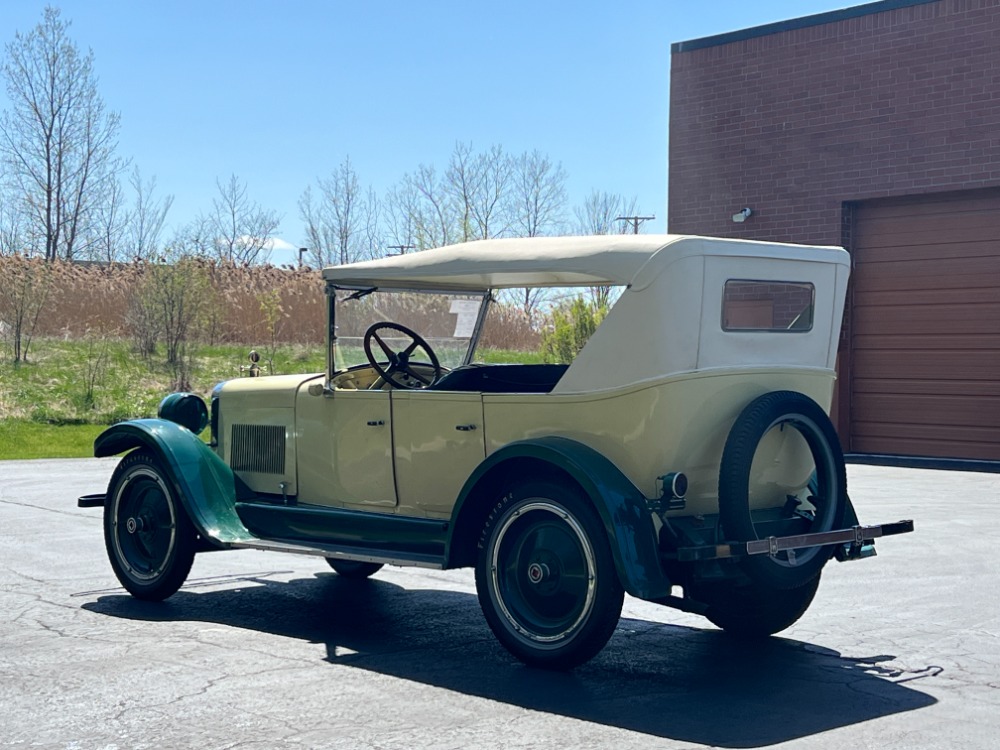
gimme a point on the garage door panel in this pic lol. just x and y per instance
(956, 203)
(928, 319)
(887, 431)
(893, 253)
(943, 280)
(970, 365)
(929, 231)
(947, 344)
(916, 386)
(931, 411)
(986, 270)
(935, 296)
(930, 447)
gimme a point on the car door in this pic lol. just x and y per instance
(438, 440)
(344, 444)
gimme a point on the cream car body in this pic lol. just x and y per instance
(690, 430)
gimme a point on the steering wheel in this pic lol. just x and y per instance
(400, 371)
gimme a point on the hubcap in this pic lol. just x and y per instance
(142, 508)
(543, 573)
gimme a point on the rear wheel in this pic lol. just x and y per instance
(353, 568)
(149, 538)
(797, 425)
(754, 611)
(545, 576)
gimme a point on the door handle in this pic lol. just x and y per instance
(465, 427)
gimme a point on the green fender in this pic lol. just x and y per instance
(204, 483)
(622, 507)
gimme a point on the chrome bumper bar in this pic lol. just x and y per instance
(856, 537)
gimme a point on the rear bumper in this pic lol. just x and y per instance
(855, 540)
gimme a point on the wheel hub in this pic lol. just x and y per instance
(538, 572)
(136, 525)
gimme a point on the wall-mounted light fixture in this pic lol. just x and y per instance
(743, 215)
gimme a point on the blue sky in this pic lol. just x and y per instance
(279, 93)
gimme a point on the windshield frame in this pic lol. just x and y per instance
(485, 296)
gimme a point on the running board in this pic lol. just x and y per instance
(856, 536)
(342, 552)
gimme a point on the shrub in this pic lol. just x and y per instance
(571, 323)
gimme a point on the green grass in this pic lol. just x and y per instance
(54, 405)
(20, 440)
(48, 410)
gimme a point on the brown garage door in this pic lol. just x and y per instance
(925, 331)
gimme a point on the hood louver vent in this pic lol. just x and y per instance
(258, 448)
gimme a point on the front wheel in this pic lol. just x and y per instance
(148, 535)
(545, 576)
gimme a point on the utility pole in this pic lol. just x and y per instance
(634, 221)
(401, 248)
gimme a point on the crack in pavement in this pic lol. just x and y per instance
(48, 510)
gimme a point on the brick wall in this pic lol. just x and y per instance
(797, 122)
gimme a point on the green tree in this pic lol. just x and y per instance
(571, 323)
(176, 292)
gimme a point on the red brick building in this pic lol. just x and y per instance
(877, 128)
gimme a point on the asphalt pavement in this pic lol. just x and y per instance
(266, 650)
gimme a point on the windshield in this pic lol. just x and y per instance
(445, 321)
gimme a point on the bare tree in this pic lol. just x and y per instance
(598, 215)
(26, 288)
(538, 195)
(477, 185)
(342, 196)
(13, 232)
(400, 212)
(599, 210)
(196, 238)
(374, 239)
(108, 225)
(342, 225)
(148, 217)
(57, 139)
(537, 204)
(241, 229)
(318, 237)
(493, 170)
(468, 202)
(460, 186)
(437, 222)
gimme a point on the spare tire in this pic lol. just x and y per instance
(824, 501)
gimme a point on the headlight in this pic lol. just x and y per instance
(186, 409)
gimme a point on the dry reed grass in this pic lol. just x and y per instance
(88, 299)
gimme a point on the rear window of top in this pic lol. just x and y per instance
(751, 305)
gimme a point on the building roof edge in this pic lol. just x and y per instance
(818, 19)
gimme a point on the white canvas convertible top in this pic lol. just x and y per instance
(615, 260)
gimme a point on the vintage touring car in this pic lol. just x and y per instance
(683, 456)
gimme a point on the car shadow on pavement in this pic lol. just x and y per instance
(675, 682)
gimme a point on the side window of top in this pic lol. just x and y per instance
(751, 305)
